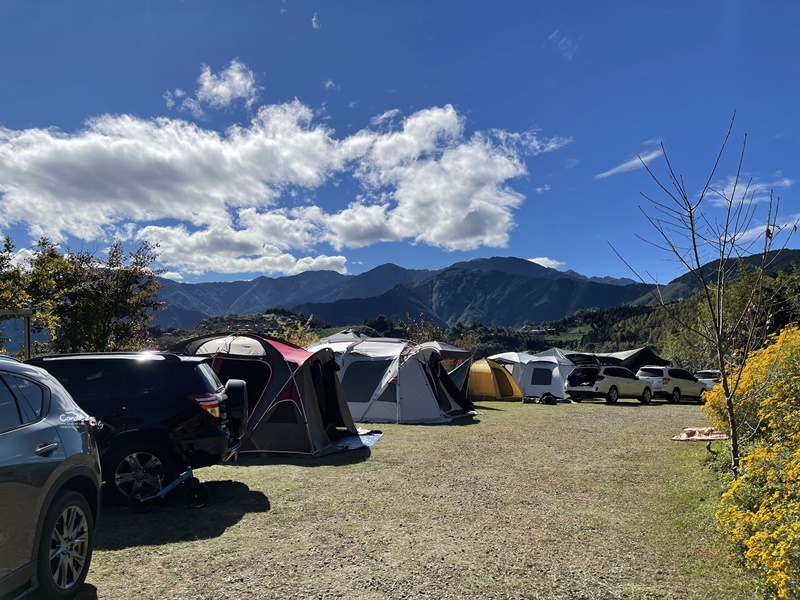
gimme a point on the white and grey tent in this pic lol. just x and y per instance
(388, 380)
(541, 377)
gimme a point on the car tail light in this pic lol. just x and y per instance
(600, 378)
(665, 381)
(208, 402)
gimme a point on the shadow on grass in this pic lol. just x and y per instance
(621, 403)
(349, 457)
(171, 520)
(487, 408)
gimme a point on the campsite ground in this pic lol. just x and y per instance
(584, 501)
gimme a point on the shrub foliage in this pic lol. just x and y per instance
(760, 513)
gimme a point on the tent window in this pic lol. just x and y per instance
(389, 394)
(541, 377)
(361, 379)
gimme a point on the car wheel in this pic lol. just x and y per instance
(196, 495)
(646, 396)
(700, 398)
(139, 464)
(676, 396)
(612, 396)
(65, 547)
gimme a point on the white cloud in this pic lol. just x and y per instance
(387, 116)
(245, 200)
(542, 189)
(561, 44)
(631, 165)
(570, 163)
(192, 106)
(221, 90)
(315, 22)
(237, 82)
(785, 227)
(548, 262)
(169, 98)
(226, 250)
(755, 190)
(330, 85)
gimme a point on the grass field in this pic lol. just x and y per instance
(584, 501)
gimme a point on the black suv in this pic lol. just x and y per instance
(160, 412)
(49, 485)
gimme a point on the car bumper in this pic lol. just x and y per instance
(209, 449)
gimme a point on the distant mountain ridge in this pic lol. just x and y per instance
(502, 291)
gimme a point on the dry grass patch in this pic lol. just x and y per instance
(581, 501)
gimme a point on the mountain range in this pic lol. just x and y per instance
(498, 291)
(504, 291)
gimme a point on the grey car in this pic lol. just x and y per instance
(49, 485)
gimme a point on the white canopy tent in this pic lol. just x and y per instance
(540, 377)
(387, 380)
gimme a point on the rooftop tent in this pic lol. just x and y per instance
(488, 380)
(636, 358)
(296, 402)
(537, 376)
(388, 380)
(631, 359)
(579, 358)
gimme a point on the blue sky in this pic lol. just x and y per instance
(270, 137)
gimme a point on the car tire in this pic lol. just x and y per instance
(135, 464)
(647, 395)
(612, 396)
(65, 546)
(675, 398)
(700, 398)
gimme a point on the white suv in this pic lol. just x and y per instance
(672, 383)
(709, 377)
(606, 381)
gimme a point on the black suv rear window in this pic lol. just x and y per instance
(209, 378)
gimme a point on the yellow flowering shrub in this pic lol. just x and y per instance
(760, 513)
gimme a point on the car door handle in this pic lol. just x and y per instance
(45, 449)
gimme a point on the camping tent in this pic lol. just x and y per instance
(637, 358)
(488, 380)
(297, 404)
(540, 377)
(388, 380)
(631, 359)
(460, 376)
